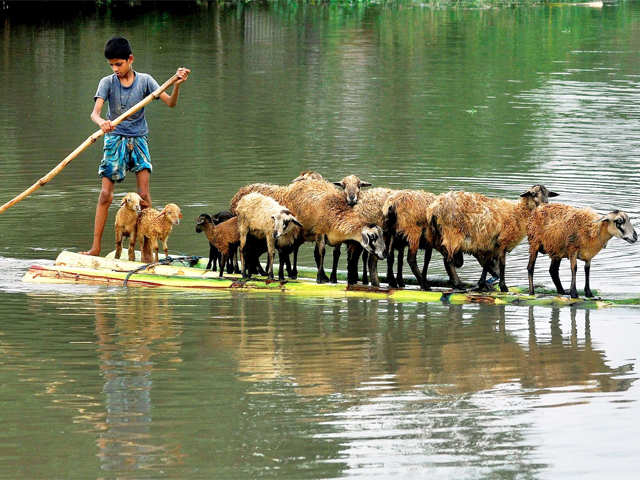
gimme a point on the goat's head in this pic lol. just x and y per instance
(132, 201)
(284, 222)
(537, 195)
(173, 213)
(307, 175)
(202, 219)
(619, 225)
(351, 185)
(373, 241)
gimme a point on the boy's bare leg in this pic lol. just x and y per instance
(142, 181)
(102, 212)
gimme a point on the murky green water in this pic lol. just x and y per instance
(115, 383)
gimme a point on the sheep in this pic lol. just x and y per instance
(407, 215)
(265, 218)
(369, 206)
(126, 220)
(351, 186)
(225, 238)
(154, 226)
(488, 228)
(562, 231)
(276, 192)
(327, 217)
(215, 256)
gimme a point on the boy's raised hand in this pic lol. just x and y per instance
(183, 74)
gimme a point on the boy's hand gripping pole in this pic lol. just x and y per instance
(44, 180)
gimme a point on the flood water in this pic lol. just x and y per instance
(100, 382)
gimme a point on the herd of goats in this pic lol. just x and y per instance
(377, 222)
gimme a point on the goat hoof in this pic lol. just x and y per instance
(504, 288)
(392, 283)
(333, 279)
(588, 293)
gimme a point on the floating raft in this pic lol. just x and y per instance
(73, 267)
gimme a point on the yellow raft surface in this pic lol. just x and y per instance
(73, 267)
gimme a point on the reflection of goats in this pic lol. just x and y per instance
(460, 355)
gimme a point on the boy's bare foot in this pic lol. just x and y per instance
(94, 252)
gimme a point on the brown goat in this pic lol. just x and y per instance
(487, 228)
(562, 231)
(126, 223)
(154, 226)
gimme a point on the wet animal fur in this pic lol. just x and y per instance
(488, 228)
(562, 231)
(264, 217)
(126, 223)
(154, 226)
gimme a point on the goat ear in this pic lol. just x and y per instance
(365, 239)
(297, 179)
(528, 193)
(339, 184)
(603, 218)
(124, 200)
(296, 222)
(552, 194)
(365, 184)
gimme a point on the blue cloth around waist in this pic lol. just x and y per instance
(124, 154)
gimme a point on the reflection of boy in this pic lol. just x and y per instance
(125, 145)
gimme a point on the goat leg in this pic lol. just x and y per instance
(365, 262)
(373, 270)
(411, 260)
(353, 256)
(452, 273)
(399, 274)
(555, 275)
(118, 244)
(531, 266)
(573, 258)
(334, 266)
(318, 255)
(391, 280)
(427, 258)
(132, 245)
(587, 269)
(211, 264)
(502, 260)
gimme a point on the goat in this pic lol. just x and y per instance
(407, 215)
(327, 217)
(215, 256)
(154, 226)
(369, 205)
(488, 228)
(562, 231)
(351, 186)
(126, 221)
(265, 218)
(225, 238)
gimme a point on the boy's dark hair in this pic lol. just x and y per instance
(117, 47)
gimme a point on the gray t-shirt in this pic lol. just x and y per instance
(121, 98)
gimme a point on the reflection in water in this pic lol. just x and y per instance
(319, 385)
(131, 335)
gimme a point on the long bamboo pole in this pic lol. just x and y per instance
(90, 140)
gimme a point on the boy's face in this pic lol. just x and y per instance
(120, 66)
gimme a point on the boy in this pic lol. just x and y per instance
(125, 146)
